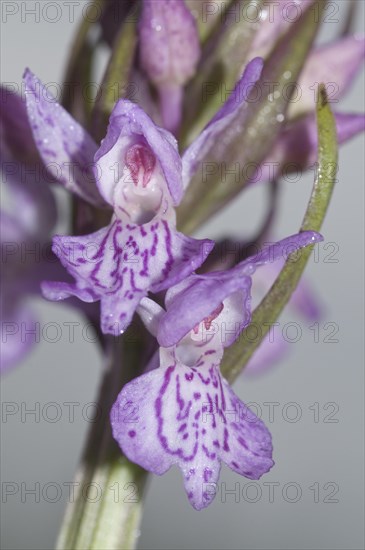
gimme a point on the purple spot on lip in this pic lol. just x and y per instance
(242, 442)
(207, 474)
(131, 433)
(225, 441)
(207, 453)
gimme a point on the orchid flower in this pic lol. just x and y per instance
(139, 175)
(185, 411)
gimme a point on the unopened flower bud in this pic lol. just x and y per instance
(169, 52)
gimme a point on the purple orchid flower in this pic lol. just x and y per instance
(169, 53)
(139, 175)
(185, 412)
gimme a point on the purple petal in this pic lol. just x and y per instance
(194, 155)
(120, 263)
(277, 251)
(184, 255)
(303, 299)
(274, 347)
(66, 148)
(305, 302)
(150, 313)
(272, 350)
(190, 417)
(296, 148)
(23, 173)
(15, 132)
(197, 298)
(169, 42)
(11, 231)
(169, 53)
(128, 125)
(31, 195)
(336, 65)
(349, 125)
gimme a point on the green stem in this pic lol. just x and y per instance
(238, 355)
(106, 508)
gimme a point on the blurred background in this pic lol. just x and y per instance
(313, 402)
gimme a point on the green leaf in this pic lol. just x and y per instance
(257, 125)
(237, 356)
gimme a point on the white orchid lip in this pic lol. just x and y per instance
(190, 349)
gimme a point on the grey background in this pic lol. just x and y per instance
(306, 452)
